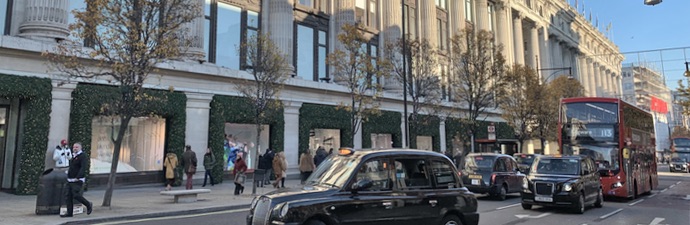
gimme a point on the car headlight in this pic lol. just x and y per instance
(525, 183)
(568, 187)
(617, 185)
(254, 201)
(284, 210)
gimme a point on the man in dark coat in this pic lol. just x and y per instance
(76, 176)
(189, 163)
(320, 156)
(266, 163)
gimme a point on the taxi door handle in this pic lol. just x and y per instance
(388, 205)
(433, 203)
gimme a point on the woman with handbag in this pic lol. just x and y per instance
(170, 165)
(279, 168)
(240, 168)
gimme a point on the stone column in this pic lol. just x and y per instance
(457, 17)
(427, 24)
(194, 32)
(281, 27)
(392, 31)
(544, 52)
(501, 31)
(518, 39)
(607, 82)
(581, 74)
(592, 78)
(196, 132)
(442, 134)
(534, 47)
(59, 119)
(45, 20)
(558, 54)
(344, 14)
(291, 143)
(598, 79)
(482, 13)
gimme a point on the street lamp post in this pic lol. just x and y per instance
(404, 55)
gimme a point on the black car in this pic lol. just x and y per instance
(525, 161)
(495, 174)
(372, 187)
(567, 181)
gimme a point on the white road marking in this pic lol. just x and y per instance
(508, 206)
(638, 201)
(687, 197)
(672, 185)
(532, 217)
(174, 217)
(652, 195)
(665, 189)
(679, 182)
(610, 214)
(656, 221)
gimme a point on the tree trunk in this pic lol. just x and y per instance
(542, 140)
(256, 158)
(124, 122)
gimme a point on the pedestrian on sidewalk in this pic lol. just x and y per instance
(209, 162)
(62, 155)
(189, 162)
(240, 177)
(320, 156)
(266, 164)
(279, 168)
(76, 177)
(170, 165)
(306, 165)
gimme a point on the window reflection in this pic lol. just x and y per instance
(468, 10)
(305, 52)
(227, 35)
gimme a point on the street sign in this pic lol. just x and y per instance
(492, 129)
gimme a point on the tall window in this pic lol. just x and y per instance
(309, 3)
(371, 49)
(468, 10)
(441, 4)
(366, 12)
(491, 10)
(442, 34)
(411, 20)
(227, 26)
(310, 59)
(4, 16)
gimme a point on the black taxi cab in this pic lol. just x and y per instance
(563, 181)
(395, 186)
(495, 174)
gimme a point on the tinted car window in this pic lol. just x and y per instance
(479, 161)
(377, 172)
(412, 173)
(443, 172)
(500, 166)
(557, 166)
(525, 159)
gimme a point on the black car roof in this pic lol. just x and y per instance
(488, 154)
(563, 157)
(394, 151)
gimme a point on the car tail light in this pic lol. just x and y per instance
(493, 178)
(460, 173)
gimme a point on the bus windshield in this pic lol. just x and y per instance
(591, 112)
(606, 157)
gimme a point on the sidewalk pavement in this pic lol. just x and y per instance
(134, 202)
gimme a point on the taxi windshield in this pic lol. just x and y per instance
(333, 172)
(479, 162)
(557, 166)
(524, 159)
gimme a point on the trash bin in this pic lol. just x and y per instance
(50, 196)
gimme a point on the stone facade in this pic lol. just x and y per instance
(546, 35)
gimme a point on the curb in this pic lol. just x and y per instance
(154, 215)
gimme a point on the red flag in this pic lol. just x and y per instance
(658, 105)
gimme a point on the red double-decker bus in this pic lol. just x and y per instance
(618, 136)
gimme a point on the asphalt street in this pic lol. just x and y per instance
(668, 204)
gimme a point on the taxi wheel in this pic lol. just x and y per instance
(580, 205)
(600, 199)
(526, 206)
(314, 222)
(451, 220)
(502, 194)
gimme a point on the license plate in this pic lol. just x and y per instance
(475, 182)
(475, 176)
(543, 199)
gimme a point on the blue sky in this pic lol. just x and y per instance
(637, 27)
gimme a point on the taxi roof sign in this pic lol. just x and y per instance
(345, 151)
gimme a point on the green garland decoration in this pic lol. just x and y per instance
(313, 116)
(230, 109)
(427, 126)
(386, 122)
(35, 94)
(456, 126)
(87, 100)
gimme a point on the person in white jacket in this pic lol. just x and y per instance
(62, 155)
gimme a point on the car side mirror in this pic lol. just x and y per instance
(361, 184)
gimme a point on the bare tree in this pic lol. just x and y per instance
(423, 79)
(269, 69)
(127, 39)
(477, 76)
(547, 113)
(519, 104)
(361, 72)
